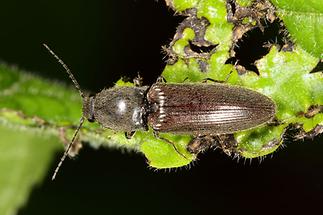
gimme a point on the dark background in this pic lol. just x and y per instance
(102, 41)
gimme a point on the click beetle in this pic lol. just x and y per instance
(198, 109)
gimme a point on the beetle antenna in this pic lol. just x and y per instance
(68, 149)
(68, 71)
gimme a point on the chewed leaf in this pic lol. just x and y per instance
(285, 77)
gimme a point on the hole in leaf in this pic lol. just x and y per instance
(201, 49)
(255, 44)
(318, 67)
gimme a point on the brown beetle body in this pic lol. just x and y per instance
(197, 109)
(206, 108)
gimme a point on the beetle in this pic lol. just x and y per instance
(197, 109)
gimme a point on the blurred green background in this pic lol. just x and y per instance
(102, 41)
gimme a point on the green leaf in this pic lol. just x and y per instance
(304, 21)
(24, 162)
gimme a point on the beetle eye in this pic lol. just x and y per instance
(92, 119)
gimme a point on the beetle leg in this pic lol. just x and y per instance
(130, 134)
(200, 143)
(169, 142)
(161, 79)
(227, 143)
(205, 80)
(185, 79)
(138, 80)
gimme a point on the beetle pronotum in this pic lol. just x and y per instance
(197, 109)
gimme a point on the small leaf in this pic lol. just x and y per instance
(24, 162)
(304, 21)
